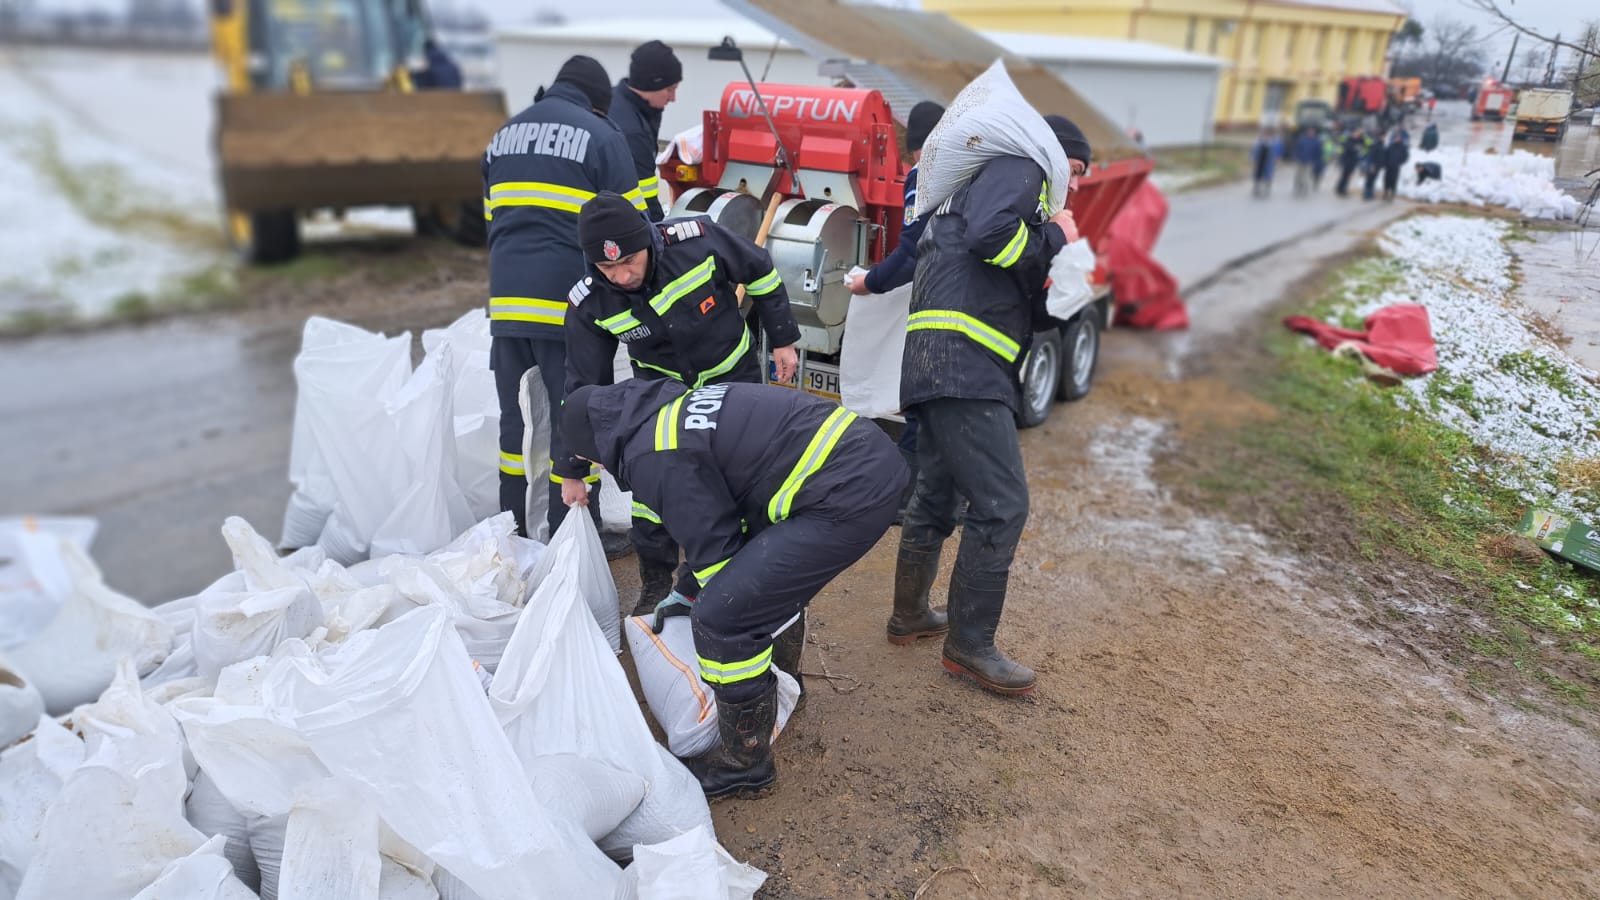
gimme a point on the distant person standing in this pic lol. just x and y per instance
(1307, 159)
(440, 73)
(1430, 137)
(1351, 153)
(1263, 160)
(1372, 167)
(1395, 155)
(654, 73)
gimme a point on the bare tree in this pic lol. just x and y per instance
(1493, 8)
(1449, 53)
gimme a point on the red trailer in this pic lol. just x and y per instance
(829, 198)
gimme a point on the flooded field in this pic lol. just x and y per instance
(1576, 154)
(1547, 287)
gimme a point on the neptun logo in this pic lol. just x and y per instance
(742, 104)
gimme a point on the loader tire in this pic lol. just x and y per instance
(274, 237)
(462, 222)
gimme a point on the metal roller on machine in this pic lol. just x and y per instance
(738, 212)
(814, 244)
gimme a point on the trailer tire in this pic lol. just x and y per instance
(1080, 354)
(274, 237)
(1041, 375)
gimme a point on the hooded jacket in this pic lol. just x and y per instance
(640, 123)
(538, 169)
(982, 257)
(683, 323)
(720, 464)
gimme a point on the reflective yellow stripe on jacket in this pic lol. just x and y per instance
(728, 362)
(1011, 252)
(816, 453)
(640, 511)
(764, 285)
(648, 188)
(667, 425)
(621, 323)
(970, 327)
(528, 309)
(535, 193)
(683, 285)
(704, 575)
(591, 478)
(511, 463)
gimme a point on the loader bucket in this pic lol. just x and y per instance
(353, 148)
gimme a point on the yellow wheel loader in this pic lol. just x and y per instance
(318, 111)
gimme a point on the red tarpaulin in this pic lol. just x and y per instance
(1396, 337)
(1146, 294)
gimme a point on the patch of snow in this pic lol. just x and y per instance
(1519, 180)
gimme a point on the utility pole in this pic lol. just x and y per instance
(1550, 68)
(1505, 75)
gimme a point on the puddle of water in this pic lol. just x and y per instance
(1558, 283)
(1575, 155)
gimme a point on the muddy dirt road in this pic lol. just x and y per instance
(1219, 714)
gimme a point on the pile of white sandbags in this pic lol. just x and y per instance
(1518, 180)
(452, 725)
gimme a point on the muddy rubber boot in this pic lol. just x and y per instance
(741, 763)
(655, 583)
(969, 649)
(616, 544)
(914, 571)
(787, 646)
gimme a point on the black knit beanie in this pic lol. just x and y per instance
(610, 228)
(1071, 138)
(654, 66)
(576, 429)
(590, 77)
(920, 123)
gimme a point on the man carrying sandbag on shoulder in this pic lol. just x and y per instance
(772, 493)
(983, 255)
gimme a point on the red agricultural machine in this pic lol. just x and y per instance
(816, 175)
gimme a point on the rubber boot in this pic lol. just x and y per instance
(787, 646)
(616, 544)
(914, 571)
(969, 649)
(741, 763)
(655, 583)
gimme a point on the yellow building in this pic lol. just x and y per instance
(1278, 52)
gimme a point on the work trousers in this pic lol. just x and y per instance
(780, 570)
(511, 358)
(969, 448)
(1345, 171)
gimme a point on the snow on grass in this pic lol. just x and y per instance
(1519, 180)
(1530, 409)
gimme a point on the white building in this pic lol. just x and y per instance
(1166, 94)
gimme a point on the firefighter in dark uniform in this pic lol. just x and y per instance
(539, 170)
(773, 493)
(668, 291)
(984, 254)
(636, 104)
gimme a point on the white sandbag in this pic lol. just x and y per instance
(33, 580)
(987, 120)
(20, 704)
(255, 761)
(692, 866)
(399, 882)
(211, 813)
(31, 775)
(591, 794)
(343, 374)
(116, 824)
(535, 453)
(869, 362)
(330, 848)
(681, 701)
(590, 575)
(427, 510)
(457, 793)
(235, 627)
(477, 410)
(268, 837)
(202, 875)
(1070, 290)
(125, 711)
(560, 689)
(453, 888)
(75, 656)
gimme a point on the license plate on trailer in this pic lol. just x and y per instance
(820, 379)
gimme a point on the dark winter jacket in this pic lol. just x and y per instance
(1430, 137)
(1395, 154)
(640, 123)
(683, 323)
(897, 268)
(539, 169)
(1308, 149)
(720, 464)
(1354, 150)
(982, 257)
